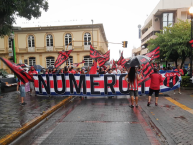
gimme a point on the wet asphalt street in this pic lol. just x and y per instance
(105, 121)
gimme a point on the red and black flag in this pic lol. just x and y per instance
(18, 71)
(77, 64)
(95, 54)
(121, 60)
(171, 79)
(106, 58)
(114, 65)
(191, 42)
(62, 57)
(146, 70)
(93, 69)
(155, 53)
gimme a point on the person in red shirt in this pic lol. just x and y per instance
(156, 80)
(181, 72)
(32, 72)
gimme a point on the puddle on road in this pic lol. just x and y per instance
(169, 106)
(182, 118)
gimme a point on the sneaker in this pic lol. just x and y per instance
(132, 106)
(174, 93)
(156, 104)
(136, 106)
(23, 103)
(179, 93)
(148, 104)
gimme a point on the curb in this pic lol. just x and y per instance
(15, 134)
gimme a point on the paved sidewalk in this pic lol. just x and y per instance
(13, 115)
(172, 117)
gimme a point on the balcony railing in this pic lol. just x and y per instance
(50, 48)
(31, 49)
(86, 47)
(149, 35)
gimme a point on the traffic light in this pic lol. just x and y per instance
(124, 43)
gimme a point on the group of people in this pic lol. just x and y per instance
(132, 78)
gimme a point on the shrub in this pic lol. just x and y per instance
(186, 81)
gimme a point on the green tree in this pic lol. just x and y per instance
(10, 9)
(173, 41)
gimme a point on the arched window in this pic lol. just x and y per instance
(88, 61)
(49, 40)
(31, 42)
(69, 61)
(87, 39)
(10, 43)
(50, 61)
(68, 39)
(32, 61)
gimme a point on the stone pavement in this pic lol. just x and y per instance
(173, 121)
(13, 115)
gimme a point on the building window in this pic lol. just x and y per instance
(168, 19)
(69, 61)
(10, 43)
(31, 41)
(68, 39)
(32, 61)
(88, 61)
(49, 40)
(25, 61)
(87, 39)
(50, 61)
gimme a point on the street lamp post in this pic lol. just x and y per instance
(191, 13)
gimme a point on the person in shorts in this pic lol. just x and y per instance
(156, 80)
(21, 86)
(132, 79)
(32, 72)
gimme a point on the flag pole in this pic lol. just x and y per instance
(92, 35)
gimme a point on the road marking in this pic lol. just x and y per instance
(190, 110)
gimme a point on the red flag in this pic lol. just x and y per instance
(77, 64)
(95, 54)
(155, 53)
(114, 65)
(93, 69)
(147, 69)
(18, 71)
(121, 60)
(62, 57)
(106, 58)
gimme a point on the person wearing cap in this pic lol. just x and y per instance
(156, 80)
(32, 72)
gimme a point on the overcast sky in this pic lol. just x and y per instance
(119, 17)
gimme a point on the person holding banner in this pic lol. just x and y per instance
(156, 80)
(31, 73)
(132, 79)
(181, 72)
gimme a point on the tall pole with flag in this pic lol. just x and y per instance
(191, 13)
(92, 35)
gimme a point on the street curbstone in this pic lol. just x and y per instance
(15, 134)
